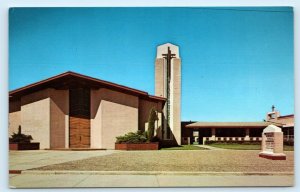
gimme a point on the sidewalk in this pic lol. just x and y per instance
(83, 180)
(22, 160)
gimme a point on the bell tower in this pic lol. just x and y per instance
(168, 85)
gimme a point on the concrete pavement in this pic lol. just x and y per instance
(22, 160)
(85, 180)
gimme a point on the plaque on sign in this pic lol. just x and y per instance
(269, 142)
(272, 143)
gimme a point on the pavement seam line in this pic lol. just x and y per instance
(150, 173)
(81, 181)
(156, 177)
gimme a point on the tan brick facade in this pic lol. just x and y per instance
(176, 100)
(35, 117)
(159, 77)
(14, 117)
(113, 110)
(43, 115)
(113, 114)
(59, 118)
(144, 111)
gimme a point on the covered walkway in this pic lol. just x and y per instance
(201, 132)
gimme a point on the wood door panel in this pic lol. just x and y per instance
(79, 119)
(79, 132)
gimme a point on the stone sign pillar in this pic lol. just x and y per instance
(272, 143)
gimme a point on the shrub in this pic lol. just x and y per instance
(20, 137)
(151, 124)
(155, 139)
(132, 137)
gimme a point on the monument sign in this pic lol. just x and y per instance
(272, 143)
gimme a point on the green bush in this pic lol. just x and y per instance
(133, 137)
(151, 124)
(20, 137)
(155, 139)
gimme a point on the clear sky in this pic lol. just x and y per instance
(236, 62)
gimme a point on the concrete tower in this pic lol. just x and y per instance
(168, 85)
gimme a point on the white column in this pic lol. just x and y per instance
(66, 131)
(247, 138)
(213, 134)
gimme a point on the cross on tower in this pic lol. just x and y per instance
(273, 108)
(168, 57)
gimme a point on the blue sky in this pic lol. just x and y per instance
(236, 62)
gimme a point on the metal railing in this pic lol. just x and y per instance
(232, 139)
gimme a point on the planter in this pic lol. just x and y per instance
(137, 146)
(24, 146)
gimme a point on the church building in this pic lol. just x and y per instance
(72, 110)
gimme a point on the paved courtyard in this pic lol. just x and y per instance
(191, 161)
(148, 169)
(22, 160)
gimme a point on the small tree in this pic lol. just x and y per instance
(20, 137)
(151, 124)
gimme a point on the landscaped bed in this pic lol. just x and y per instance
(245, 146)
(24, 146)
(137, 146)
(140, 140)
(20, 141)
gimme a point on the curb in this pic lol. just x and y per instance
(15, 171)
(153, 173)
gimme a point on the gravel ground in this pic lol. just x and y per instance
(202, 160)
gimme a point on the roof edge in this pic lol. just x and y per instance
(284, 116)
(71, 73)
(232, 124)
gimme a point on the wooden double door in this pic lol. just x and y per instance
(79, 118)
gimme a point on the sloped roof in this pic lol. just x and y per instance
(69, 79)
(286, 116)
(230, 124)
